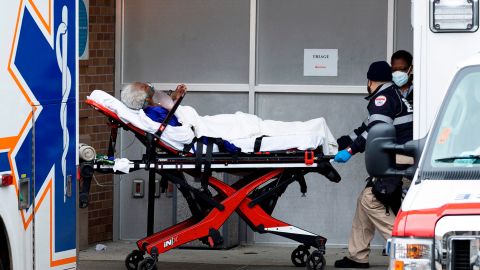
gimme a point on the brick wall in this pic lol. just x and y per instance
(98, 73)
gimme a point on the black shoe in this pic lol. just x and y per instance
(347, 263)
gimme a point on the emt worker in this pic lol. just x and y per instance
(375, 210)
(402, 76)
(402, 70)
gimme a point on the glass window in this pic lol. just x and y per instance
(358, 29)
(456, 138)
(195, 41)
(403, 30)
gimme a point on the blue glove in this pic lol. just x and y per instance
(343, 156)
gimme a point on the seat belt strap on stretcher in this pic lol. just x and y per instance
(258, 144)
(188, 147)
(149, 157)
(208, 164)
(206, 171)
(170, 114)
(198, 156)
(113, 138)
(219, 143)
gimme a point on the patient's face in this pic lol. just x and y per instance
(149, 100)
(150, 92)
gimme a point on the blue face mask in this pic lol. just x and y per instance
(400, 78)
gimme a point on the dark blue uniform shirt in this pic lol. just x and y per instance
(385, 105)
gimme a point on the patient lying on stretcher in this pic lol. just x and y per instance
(235, 128)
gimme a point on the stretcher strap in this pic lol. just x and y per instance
(150, 153)
(207, 172)
(113, 138)
(188, 147)
(169, 116)
(198, 156)
(303, 184)
(218, 141)
(204, 172)
(258, 144)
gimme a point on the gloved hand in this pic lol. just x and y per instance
(342, 156)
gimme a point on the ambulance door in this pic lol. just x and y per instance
(52, 79)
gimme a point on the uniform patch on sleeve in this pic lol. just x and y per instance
(380, 100)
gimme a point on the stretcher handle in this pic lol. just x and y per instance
(328, 157)
(170, 114)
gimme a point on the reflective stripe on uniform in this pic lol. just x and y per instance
(352, 135)
(380, 117)
(403, 120)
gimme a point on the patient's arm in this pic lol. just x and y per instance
(166, 101)
(181, 89)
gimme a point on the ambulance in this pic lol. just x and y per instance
(438, 226)
(38, 134)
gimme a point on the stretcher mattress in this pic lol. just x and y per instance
(180, 136)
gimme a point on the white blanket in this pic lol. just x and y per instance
(241, 129)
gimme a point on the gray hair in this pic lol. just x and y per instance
(133, 96)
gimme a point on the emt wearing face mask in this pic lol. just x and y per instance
(374, 212)
(402, 71)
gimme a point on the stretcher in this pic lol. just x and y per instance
(265, 177)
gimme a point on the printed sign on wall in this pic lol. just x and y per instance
(320, 62)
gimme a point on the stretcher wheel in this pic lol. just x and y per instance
(147, 264)
(316, 261)
(132, 259)
(300, 255)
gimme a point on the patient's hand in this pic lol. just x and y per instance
(163, 100)
(181, 89)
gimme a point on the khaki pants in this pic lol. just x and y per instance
(370, 215)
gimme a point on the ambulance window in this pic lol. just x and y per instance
(456, 141)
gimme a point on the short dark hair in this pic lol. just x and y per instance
(404, 55)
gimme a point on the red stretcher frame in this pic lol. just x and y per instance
(235, 200)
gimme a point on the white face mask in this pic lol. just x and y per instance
(400, 78)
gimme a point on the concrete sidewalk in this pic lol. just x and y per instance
(244, 257)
